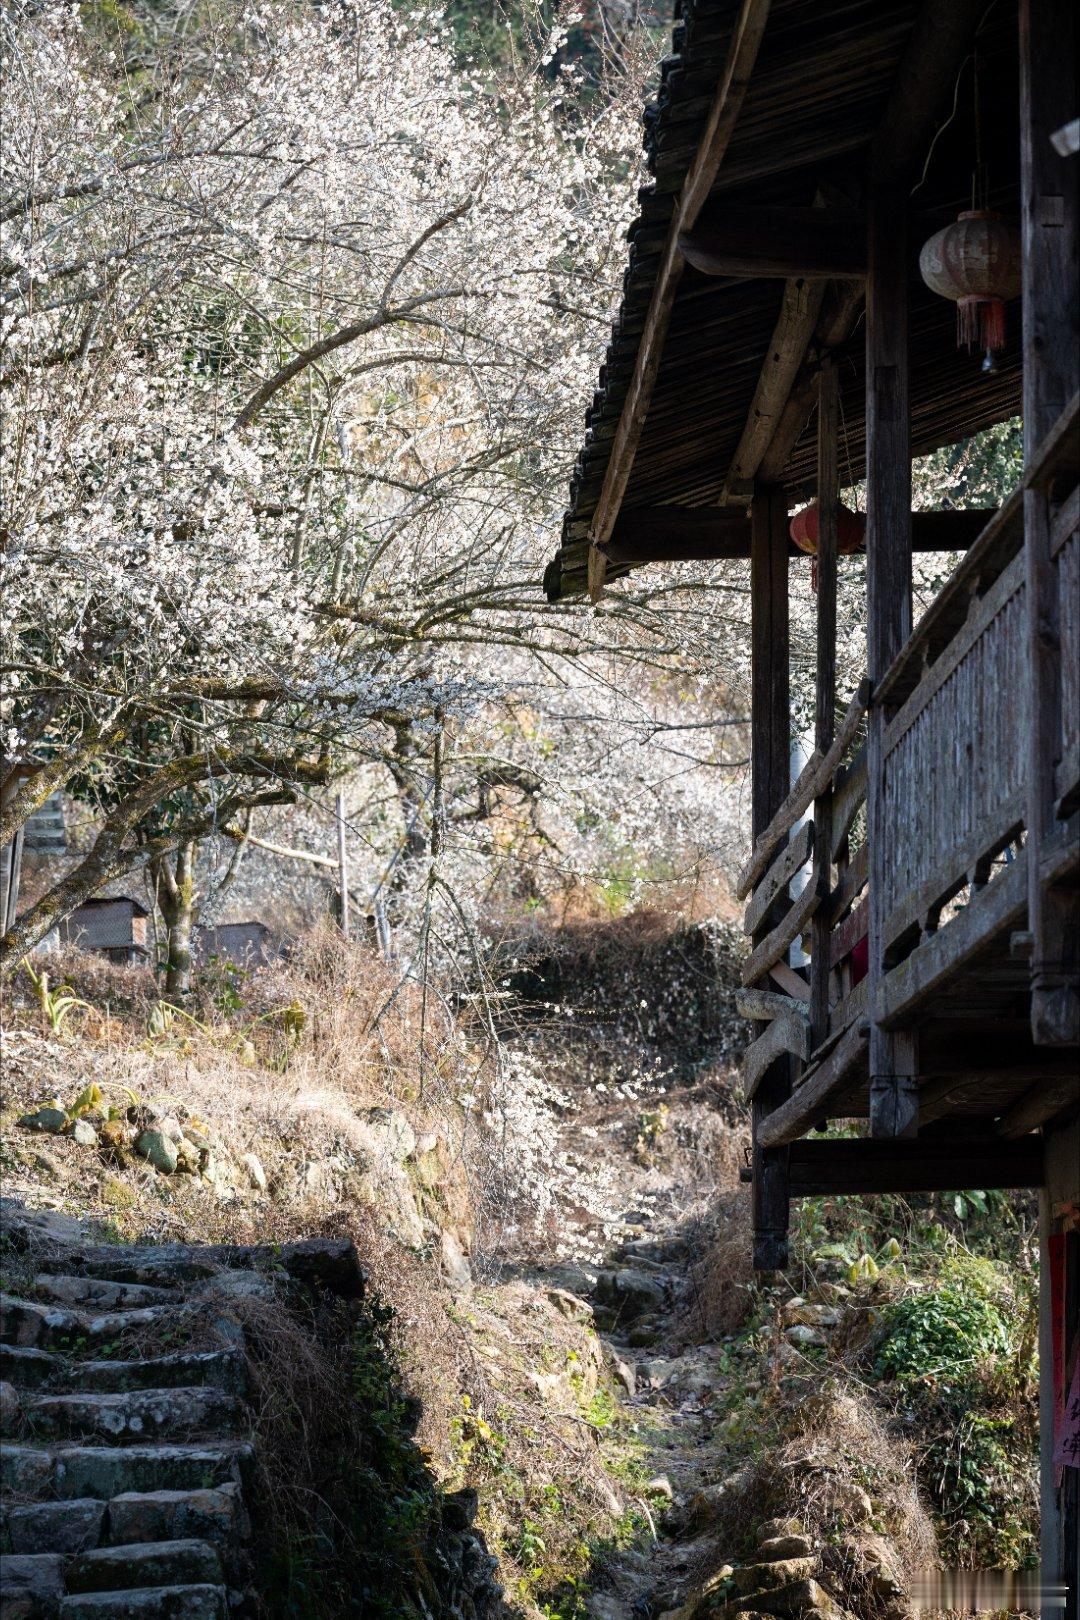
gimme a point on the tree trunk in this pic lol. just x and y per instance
(176, 898)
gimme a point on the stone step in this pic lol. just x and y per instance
(35, 1369)
(28, 1368)
(148, 1603)
(133, 1415)
(31, 1585)
(66, 1472)
(28, 1322)
(147, 1563)
(99, 1294)
(329, 1262)
(53, 1527)
(215, 1515)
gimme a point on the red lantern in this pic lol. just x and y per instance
(850, 530)
(976, 262)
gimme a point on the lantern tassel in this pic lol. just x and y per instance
(980, 321)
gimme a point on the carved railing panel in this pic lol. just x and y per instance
(954, 773)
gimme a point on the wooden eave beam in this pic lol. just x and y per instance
(813, 243)
(648, 534)
(861, 1166)
(785, 394)
(727, 104)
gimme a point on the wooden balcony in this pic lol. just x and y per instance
(956, 866)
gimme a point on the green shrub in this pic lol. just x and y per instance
(944, 1332)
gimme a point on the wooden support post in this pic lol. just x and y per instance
(771, 776)
(1051, 375)
(828, 495)
(893, 1054)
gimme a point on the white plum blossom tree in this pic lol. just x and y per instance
(298, 318)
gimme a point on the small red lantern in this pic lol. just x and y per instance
(976, 262)
(850, 530)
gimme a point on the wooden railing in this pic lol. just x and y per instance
(955, 793)
(954, 756)
(833, 882)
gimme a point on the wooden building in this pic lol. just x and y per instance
(116, 926)
(246, 945)
(776, 333)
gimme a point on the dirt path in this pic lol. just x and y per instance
(638, 1166)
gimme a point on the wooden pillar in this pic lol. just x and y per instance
(770, 750)
(893, 1093)
(1051, 374)
(828, 501)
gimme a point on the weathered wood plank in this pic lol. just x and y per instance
(770, 778)
(792, 983)
(976, 624)
(1049, 1097)
(828, 496)
(859, 1167)
(723, 115)
(795, 327)
(993, 911)
(792, 858)
(813, 778)
(846, 935)
(851, 884)
(812, 243)
(810, 1101)
(954, 869)
(1057, 454)
(1049, 232)
(764, 1005)
(893, 1060)
(936, 49)
(788, 929)
(849, 796)
(788, 1033)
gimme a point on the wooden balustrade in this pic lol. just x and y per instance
(833, 882)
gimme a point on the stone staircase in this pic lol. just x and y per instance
(127, 1436)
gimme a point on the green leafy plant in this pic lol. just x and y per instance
(56, 1005)
(941, 1333)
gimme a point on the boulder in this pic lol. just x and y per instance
(84, 1133)
(187, 1157)
(159, 1149)
(10, 1409)
(570, 1306)
(52, 1120)
(778, 1547)
(255, 1172)
(707, 1505)
(168, 1125)
(852, 1502)
(624, 1375)
(755, 1579)
(455, 1261)
(630, 1291)
(393, 1131)
(572, 1277)
(113, 1140)
(772, 1528)
(799, 1600)
(805, 1338)
(804, 1313)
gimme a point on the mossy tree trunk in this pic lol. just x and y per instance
(174, 880)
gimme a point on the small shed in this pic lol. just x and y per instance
(116, 926)
(246, 944)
